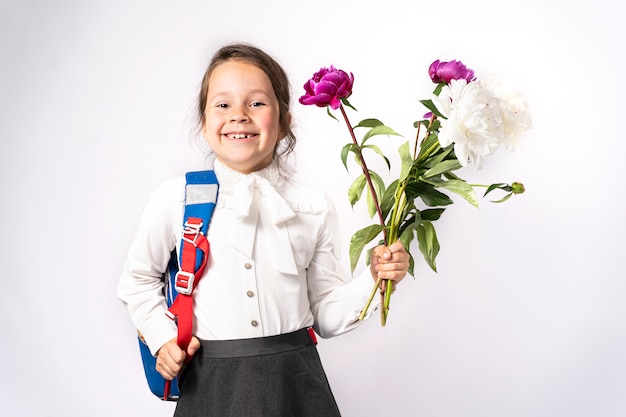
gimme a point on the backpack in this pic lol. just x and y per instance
(183, 273)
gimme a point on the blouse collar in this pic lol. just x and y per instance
(229, 177)
(253, 196)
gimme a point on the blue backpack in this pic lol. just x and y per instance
(183, 273)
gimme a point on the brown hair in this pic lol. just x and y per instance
(277, 76)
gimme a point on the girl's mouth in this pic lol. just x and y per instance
(239, 135)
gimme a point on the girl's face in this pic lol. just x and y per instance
(241, 116)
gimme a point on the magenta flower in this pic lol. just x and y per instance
(444, 72)
(327, 87)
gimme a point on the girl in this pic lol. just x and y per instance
(273, 270)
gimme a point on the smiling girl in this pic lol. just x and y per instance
(273, 271)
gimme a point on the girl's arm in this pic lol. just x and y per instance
(336, 303)
(141, 286)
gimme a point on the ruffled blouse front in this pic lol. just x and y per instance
(273, 267)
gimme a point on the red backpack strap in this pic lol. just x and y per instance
(200, 199)
(194, 244)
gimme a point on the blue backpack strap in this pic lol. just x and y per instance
(201, 191)
(200, 196)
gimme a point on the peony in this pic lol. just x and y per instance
(444, 72)
(328, 87)
(472, 121)
(514, 109)
(467, 120)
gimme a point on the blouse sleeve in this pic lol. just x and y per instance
(141, 287)
(335, 302)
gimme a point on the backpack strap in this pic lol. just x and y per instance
(201, 193)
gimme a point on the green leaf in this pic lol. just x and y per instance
(360, 239)
(350, 147)
(380, 130)
(452, 176)
(379, 188)
(357, 160)
(387, 201)
(356, 189)
(431, 106)
(503, 199)
(329, 113)
(428, 143)
(407, 161)
(369, 123)
(432, 214)
(347, 103)
(446, 153)
(441, 168)
(428, 243)
(407, 237)
(461, 188)
(427, 193)
(426, 123)
(439, 88)
(368, 256)
(500, 186)
(379, 152)
(408, 222)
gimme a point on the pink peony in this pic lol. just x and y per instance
(327, 87)
(444, 72)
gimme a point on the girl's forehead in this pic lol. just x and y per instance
(238, 68)
(239, 75)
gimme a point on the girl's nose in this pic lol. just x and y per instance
(239, 114)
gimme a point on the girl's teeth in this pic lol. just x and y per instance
(240, 136)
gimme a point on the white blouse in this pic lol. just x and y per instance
(273, 266)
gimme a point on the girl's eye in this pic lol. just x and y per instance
(222, 106)
(257, 104)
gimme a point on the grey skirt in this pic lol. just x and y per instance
(276, 376)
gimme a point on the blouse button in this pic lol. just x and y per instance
(254, 323)
(250, 294)
(247, 265)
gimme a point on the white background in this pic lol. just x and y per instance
(526, 316)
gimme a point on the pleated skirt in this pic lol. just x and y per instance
(276, 376)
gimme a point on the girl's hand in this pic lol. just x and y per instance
(171, 358)
(390, 262)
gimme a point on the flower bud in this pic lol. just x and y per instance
(517, 188)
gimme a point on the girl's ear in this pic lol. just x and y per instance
(283, 133)
(203, 128)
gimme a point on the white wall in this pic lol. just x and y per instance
(526, 315)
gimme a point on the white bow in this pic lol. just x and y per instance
(254, 197)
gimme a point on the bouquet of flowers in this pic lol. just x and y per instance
(467, 120)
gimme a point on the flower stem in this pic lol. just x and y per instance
(426, 154)
(396, 212)
(434, 146)
(395, 221)
(417, 134)
(366, 171)
(386, 301)
(369, 299)
(417, 139)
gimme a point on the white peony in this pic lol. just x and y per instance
(514, 109)
(473, 121)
